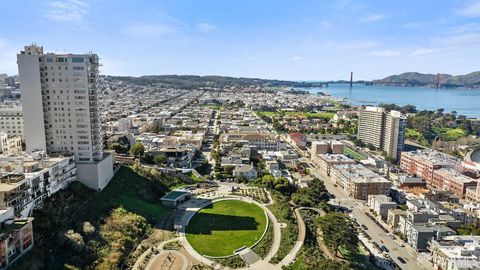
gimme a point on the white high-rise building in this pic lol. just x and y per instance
(384, 130)
(60, 110)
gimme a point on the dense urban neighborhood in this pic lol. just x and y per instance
(102, 172)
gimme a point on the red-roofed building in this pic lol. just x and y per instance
(298, 139)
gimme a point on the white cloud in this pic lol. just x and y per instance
(422, 51)
(373, 18)
(386, 53)
(73, 11)
(206, 27)
(460, 39)
(472, 9)
(465, 28)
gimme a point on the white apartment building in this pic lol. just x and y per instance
(25, 181)
(384, 130)
(60, 110)
(11, 120)
(456, 252)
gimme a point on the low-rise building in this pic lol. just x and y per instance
(10, 145)
(381, 204)
(358, 181)
(456, 252)
(26, 181)
(393, 217)
(246, 171)
(326, 161)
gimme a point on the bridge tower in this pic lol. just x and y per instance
(437, 82)
(351, 79)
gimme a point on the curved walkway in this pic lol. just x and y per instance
(262, 264)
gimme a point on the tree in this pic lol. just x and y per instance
(118, 148)
(137, 150)
(314, 195)
(160, 160)
(468, 229)
(338, 231)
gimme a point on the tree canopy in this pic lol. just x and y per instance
(137, 150)
(338, 231)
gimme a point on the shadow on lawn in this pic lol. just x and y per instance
(205, 223)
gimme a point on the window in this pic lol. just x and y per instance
(77, 60)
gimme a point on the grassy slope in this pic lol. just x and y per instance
(127, 189)
(219, 230)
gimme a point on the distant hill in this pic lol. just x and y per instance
(193, 81)
(421, 79)
(470, 79)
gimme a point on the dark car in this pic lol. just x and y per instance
(402, 260)
(384, 249)
(364, 227)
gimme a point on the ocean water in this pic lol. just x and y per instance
(463, 101)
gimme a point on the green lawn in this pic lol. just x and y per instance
(223, 227)
(454, 133)
(328, 115)
(264, 113)
(352, 153)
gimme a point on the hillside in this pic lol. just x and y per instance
(470, 79)
(421, 79)
(192, 81)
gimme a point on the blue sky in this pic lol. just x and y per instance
(281, 39)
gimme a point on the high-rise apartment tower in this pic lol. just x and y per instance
(60, 110)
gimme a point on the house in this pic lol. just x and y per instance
(246, 171)
(298, 139)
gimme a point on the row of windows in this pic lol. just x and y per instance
(63, 59)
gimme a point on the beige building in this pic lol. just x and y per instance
(11, 120)
(384, 130)
(10, 145)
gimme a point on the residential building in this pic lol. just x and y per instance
(456, 252)
(393, 217)
(420, 235)
(11, 120)
(358, 181)
(25, 181)
(326, 161)
(422, 163)
(10, 145)
(60, 110)
(16, 237)
(453, 181)
(381, 204)
(246, 171)
(298, 139)
(384, 130)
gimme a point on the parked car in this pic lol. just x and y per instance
(402, 260)
(384, 248)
